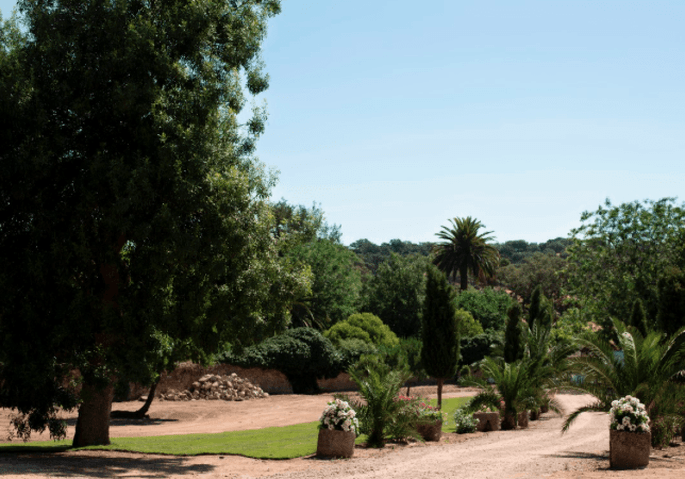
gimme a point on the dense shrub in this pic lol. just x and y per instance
(302, 354)
(476, 348)
(364, 326)
(488, 307)
(351, 350)
(467, 326)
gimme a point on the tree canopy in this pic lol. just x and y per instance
(620, 253)
(463, 249)
(132, 203)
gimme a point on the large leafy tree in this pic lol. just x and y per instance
(396, 293)
(336, 283)
(620, 253)
(463, 249)
(131, 205)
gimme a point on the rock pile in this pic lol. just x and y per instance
(211, 386)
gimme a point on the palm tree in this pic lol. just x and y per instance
(646, 370)
(465, 250)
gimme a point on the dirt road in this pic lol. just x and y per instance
(538, 452)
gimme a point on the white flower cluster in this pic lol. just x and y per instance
(629, 414)
(339, 415)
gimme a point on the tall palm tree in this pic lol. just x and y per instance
(647, 370)
(464, 250)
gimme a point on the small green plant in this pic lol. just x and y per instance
(464, 421)
(382, 415)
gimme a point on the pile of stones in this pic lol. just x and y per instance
(215, 387)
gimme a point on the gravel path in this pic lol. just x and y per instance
(538, 452)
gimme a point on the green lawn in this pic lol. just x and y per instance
(271, 443)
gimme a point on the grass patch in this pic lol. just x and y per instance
(285, 442)
(270, 443)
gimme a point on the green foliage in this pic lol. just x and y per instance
(519, 251)
(638, 318)
(382, 413)
(646, 370)
(373, 255)
(440, 350)
(336, 282)
(395, 293)
(544, 270)
(620, 253)
(489, 307)
(464, 422)
(467, 326)
(131, 199)
(302, 354)
(514, 386)
(364, 326)
(351, 350)
(512, 335)
(464, 250)
(671, 300)
(296, 225)
(540, 311)
(476, 348)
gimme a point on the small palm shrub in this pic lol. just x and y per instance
(464, 421)
(382, 414)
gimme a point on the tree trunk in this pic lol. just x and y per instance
(440, 381)
(92, 426)
(464, 276)
(140, 413)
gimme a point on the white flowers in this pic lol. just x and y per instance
(629, 414)
(339, 415)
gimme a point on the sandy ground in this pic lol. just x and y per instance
(537, 452)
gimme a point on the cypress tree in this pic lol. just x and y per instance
(440, 351)
(535, 307)
(638, 318)
(512, 335)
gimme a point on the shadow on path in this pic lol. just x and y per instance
(79, 465)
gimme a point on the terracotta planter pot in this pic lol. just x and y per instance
(629, 450)
(523, 419)
(430, 431)
(487, 421)
(332, 443)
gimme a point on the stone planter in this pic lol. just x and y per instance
(544, 408)
(487, 421)
(430, 431)
(523, 419)
(629, 450)
(535, 414)
(332, 443)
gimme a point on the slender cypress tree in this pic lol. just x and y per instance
(512, 335)
(540, 310)
(638, 318)
(440, 351)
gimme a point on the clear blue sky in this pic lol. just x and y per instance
(395, 116)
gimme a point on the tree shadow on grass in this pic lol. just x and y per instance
(77, 464)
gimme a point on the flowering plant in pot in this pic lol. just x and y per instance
(338, 428)
(630, 438)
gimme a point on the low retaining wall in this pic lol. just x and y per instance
(270, 380)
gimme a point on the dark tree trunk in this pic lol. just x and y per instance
(440, 381)
(464, 277)
(92, 426)
(140, 413)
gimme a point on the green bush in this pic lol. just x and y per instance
(467, 326)
(364, 326)
(351, 350)
(488, 307)
(302, 354)
(464, 421)
(476, 348)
